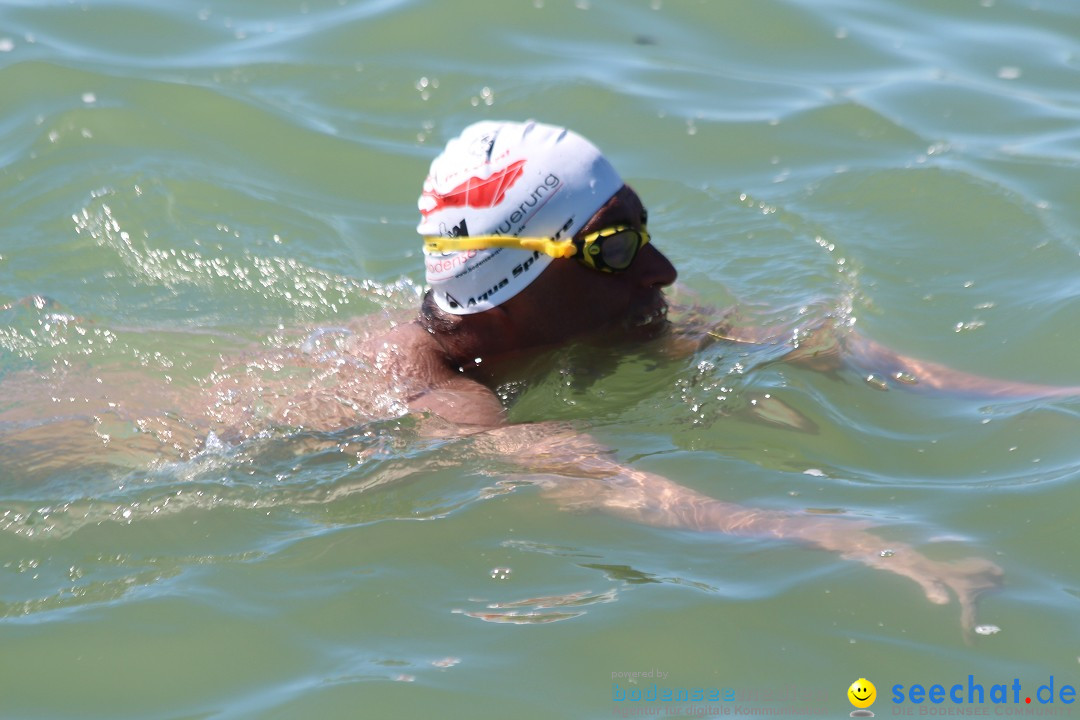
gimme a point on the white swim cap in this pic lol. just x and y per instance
(507, 178)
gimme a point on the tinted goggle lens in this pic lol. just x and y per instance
(613, 249)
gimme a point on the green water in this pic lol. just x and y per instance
(182, 182)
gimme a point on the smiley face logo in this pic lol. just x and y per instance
(862, 693)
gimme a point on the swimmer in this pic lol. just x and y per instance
(531, 240)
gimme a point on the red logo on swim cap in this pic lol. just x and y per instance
(476, 192)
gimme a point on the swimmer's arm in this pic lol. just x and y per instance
(829, 348)
(579, 474)
(890, 367)
(462, 402)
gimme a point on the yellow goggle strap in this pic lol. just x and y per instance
(548, 246)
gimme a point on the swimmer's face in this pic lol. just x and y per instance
(862, 693)
(570, 299)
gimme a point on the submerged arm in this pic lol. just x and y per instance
(830, 348)
(580, 474)
(864, 354)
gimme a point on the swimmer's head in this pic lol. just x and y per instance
(511, 179)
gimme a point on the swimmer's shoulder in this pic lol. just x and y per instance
(440, 389)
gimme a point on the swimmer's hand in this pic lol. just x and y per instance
(966, 578)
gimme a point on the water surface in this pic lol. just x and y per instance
(187, 183)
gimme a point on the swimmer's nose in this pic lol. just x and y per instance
(654, 270)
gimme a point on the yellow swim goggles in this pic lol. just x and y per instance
(609, 250)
